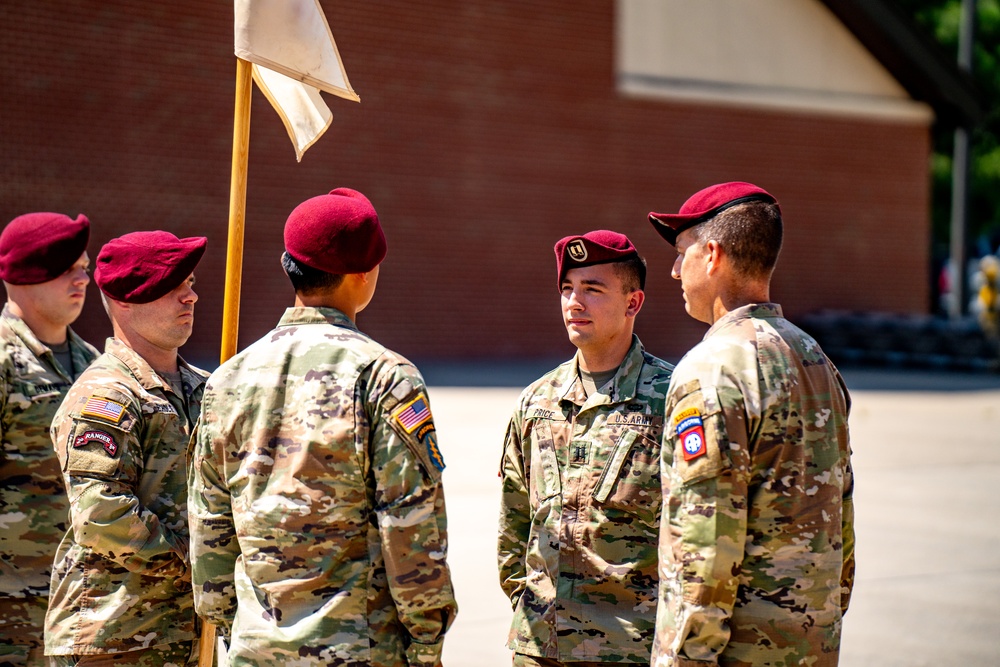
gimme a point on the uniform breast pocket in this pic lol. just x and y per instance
(30, 404)
(545, 481)
(631, 477)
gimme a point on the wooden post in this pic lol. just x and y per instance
(234, 260)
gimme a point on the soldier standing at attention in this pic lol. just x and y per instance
(581, 474)
(121, 584)
(43, 264)
(757, 541)
(318, 526)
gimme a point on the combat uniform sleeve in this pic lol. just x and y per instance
(410, 510)
(214, 548)
(705, 524)
(515, 515)
(98, 439)
(847, 516)
(847, 528)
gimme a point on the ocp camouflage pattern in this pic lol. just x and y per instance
(757, 541)
(121, 580)
(318, 523)
(580, 512)
(33, 504)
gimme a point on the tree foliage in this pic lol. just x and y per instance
(942, 18)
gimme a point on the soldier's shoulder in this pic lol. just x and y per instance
(106, 372)
(395, 369)
(549, 386)
(9, 339)
(656, 366)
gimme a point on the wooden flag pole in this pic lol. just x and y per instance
(234, 260)
(237, 209)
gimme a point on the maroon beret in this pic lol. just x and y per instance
(597, 247)
(39, 247)
(337, 233)
(143, 266)
(705, 205)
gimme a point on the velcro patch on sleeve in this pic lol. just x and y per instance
(94, 450)
(690, 433)
(106, 440)
(413, 421)
(413, 414)
(697, 433)
(103, 409)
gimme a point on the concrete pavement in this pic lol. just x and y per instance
(927, 465)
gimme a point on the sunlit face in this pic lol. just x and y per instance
(60, 300)
(691, 268)
(595, 306)
(166, 323)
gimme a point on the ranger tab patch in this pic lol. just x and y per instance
(691, 433)
(103, 408)
(413, 414)
(105, 439)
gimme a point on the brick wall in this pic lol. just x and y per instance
(486, 131)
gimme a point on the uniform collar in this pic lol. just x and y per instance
(28, 337)
(315, 315)
(623, 385)
(144, 373)
(24, 332)
(759, 311)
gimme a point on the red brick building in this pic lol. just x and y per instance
(486, 131)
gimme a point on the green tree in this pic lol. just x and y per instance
(941, 18)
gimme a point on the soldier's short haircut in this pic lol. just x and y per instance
(749, 233)
(307, 280)
(632, 271)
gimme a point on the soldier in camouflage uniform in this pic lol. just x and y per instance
(318, 526)
(43, 264)
(581, 474)
(121, 583)
(757, 540)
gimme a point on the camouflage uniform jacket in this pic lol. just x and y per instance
(33, 503)
(318, 524)
(580, 512)
(120, 581)
(757, 540)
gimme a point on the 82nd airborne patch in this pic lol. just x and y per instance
(690, 433)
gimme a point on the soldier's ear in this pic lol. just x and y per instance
(714, 256)
(635, 301)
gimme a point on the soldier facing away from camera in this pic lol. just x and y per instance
(318, 525)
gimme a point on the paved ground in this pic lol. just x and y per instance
(927, 463)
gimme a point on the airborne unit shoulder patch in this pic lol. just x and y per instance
(690, 433)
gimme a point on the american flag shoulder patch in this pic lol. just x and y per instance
(413, 414)
(103, 408)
